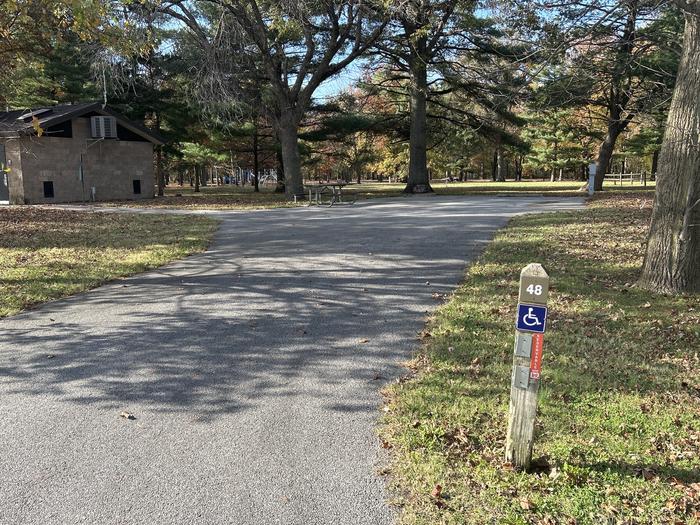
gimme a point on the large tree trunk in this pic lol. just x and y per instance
(605, 154)
(256, 161)
(500, 172)
(279, 188)
(494, 164)
(672, 263)
(619, 95)
(654, 163)
(160, 174)
(418, 181)
(289, 141)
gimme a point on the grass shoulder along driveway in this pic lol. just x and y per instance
(47, 253)
(618, 430)
(231, 197)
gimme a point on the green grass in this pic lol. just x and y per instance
(46, 254)
(564, 188)
(235, 197)
(618, 431)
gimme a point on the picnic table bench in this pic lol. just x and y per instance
(328, 193)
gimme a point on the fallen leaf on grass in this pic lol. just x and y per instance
(127, 415)
(437, 492)
(526, 504)
(475, 367)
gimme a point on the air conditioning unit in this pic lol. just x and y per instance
(103, 127)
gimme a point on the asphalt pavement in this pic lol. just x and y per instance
(252, 371)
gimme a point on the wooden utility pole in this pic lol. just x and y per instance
(527, 360)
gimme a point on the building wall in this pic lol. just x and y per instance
(109, 166)
(14, 176)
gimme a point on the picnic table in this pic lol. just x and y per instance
(328, 193)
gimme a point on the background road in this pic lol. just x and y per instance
(252, 370)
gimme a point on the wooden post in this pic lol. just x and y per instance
(527, 359)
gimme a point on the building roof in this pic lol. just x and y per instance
(20, 122)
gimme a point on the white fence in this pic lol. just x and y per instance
(630, 178)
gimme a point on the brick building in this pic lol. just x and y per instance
(73, 153)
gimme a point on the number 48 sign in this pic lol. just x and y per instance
(534, 290)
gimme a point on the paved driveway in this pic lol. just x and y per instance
(252, 370)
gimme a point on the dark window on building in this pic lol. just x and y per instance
(137, 187)
(128, 135)
(48, 189)
(63, 130)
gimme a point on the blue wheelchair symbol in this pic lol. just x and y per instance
(531, 318)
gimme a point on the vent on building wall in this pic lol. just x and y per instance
(48, 189)
(103, 127)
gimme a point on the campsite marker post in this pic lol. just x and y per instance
(592, 169)
(530, 325)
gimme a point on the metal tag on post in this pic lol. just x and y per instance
(523, 345)
(521, 377)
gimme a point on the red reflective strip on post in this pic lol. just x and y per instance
(536, 355)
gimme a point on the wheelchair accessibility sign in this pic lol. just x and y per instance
(531, 318)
